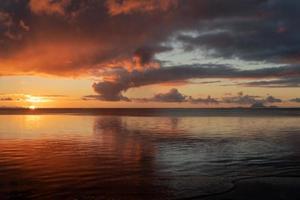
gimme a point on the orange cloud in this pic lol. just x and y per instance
(69, 58)
(116, 7)
(48, 7)
(51, 58)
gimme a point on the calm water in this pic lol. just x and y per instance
(161, 156)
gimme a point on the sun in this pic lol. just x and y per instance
(32, 107)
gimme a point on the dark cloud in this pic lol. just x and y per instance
(269, 34)
(86, 34)
(122, 79)
(172, 96)
(278, 83)
(105, 97)
(297, 100)
(6, 99)
(242, 99)
(271, 99)
(258, 105)
(145, 55)
(208, 100)
(90, 35)
(175, 96)
(250, 100)
(206, 82)
(109, 90)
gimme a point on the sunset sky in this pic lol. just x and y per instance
(149, 53)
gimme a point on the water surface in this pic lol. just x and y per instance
(151, 156)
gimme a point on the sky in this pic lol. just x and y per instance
(149, 53)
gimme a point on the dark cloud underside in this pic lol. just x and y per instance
(123, 80)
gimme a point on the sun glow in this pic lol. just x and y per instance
(35, 99)
(32, 107)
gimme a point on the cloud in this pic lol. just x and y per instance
(53, 95)
(48, 7)
(277, 83)
(9, 29)
(175, 96)
(12, 97)
(145, 55)
(108, 91)
(24, 25)
(120, 80)
(269, 34)
(6, 19)
(208, 100)
(258, 105)
(92, 35)
(172, 96)
(242, 99)
(118, 41)
(18, 97)
(6, 99)
(297, 100)
(76, 38)
(116, 7)
(271, 99)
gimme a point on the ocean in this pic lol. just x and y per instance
(150, 154)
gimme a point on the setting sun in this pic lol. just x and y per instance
(32, 107)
